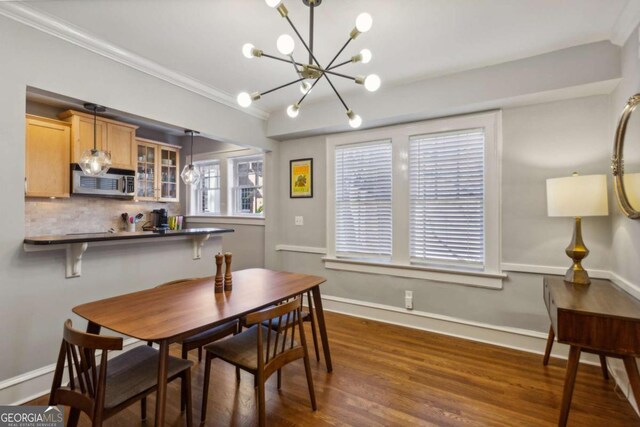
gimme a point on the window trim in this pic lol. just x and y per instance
(233, 196)
(193, 190)
(491, 275)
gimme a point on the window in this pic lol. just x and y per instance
(419, 200)
(207, 191)
(248, 182)
(363, 200)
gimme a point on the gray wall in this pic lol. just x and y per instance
(540, 141)
(36, 297)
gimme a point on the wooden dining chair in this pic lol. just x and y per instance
(262, 350)
(104, 389)
(206, 337)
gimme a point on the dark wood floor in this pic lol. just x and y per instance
(386, 375)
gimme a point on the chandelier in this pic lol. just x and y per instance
(309, 74)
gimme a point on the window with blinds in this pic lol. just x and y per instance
(207, 191)
(363, 200)
(446, 185)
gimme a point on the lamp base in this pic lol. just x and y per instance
(577, 251)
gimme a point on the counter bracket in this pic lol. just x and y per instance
(198, 242)
(74, 259)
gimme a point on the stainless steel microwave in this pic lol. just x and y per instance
(115, 183)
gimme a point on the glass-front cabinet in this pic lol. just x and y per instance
(157, 172)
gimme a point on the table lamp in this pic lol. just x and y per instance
(577, 196)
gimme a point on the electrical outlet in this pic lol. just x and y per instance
(408, 300)
(299, 220)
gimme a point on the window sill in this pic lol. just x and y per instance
(226, 219)
(467, 278)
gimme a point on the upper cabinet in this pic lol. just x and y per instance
(47, 169)
(115, 137)
(158, 171)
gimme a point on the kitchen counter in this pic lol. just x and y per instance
(104, 237)
(76, 245)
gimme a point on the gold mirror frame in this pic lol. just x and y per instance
(617, 161)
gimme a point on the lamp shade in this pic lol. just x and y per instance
(577, 196)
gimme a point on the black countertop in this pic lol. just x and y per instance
(103, 237)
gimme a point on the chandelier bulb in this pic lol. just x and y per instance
(364, 21)
(354, 120)
(366, 55)
(247, 50)
(372, 82)
(285, 44)
(273, 3)
(305, 87)
(293, 110)
(244, 99)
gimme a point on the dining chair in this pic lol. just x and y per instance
(203, 338)
(262, 350)
(104, 389)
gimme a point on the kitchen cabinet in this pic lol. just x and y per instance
(47, 165)
(115, 137)
(158, 171)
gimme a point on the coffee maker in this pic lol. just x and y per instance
(159, 219)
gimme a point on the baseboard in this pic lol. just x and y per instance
(31, 385)
(503, 336)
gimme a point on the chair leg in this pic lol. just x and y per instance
(183, 393)
(200, 354)
(262, 411)
(143, 408)
(205, 387)
(307, 368)
(187, 381)
(603, 366)
(312, 318)
(237, 374)
(74, 416)
(279, 379)
(185, 352)
(547, 350)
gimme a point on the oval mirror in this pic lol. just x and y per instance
(626, 160)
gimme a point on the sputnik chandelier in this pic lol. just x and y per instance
(310, 74)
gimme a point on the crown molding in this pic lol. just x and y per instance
(34, 18)
(627, 21)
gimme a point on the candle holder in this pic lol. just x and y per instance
(228, 279)
(219, 288)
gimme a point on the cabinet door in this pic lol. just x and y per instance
(83, 136)
(121, 144)
(47, 167)
(146, 188)
(169, 174)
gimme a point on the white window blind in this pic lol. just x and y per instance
(363, 200)
(446, 184)
(207, 192)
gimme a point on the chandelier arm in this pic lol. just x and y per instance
(338, 54)
(334, 73)
(281, 86)
(336, 91)
(309, 91)
(302, 40)
(311, 19)
(340, 64)
(295, 65)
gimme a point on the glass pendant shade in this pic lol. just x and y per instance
(190, 175)
(95, 162)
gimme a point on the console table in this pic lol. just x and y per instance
(598, 318)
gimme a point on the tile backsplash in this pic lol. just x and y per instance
(80, 214)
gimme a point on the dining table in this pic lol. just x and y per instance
(168, 314)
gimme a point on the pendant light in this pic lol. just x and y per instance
(190, 174)
(94, 162)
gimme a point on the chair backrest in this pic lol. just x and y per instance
(279, 344)
(87, 379)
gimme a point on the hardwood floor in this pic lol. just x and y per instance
(386, 375)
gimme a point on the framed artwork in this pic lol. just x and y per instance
(301, 178)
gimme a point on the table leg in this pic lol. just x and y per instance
(93, 328)
(547, 351)
(161, 394)
(634, 378)
(569, 381)
(317, 301)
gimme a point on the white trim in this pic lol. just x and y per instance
(301, 249)
(472, 278)
(231, 220)
(548, 269)
(625, 284)
(626, 23)
(503, 336)
(54, 26)
(30, 385)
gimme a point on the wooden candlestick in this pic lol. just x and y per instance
(219, 280)
(228, 280)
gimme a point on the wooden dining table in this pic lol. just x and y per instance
(171, 313)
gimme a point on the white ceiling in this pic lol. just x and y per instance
(410, 39)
